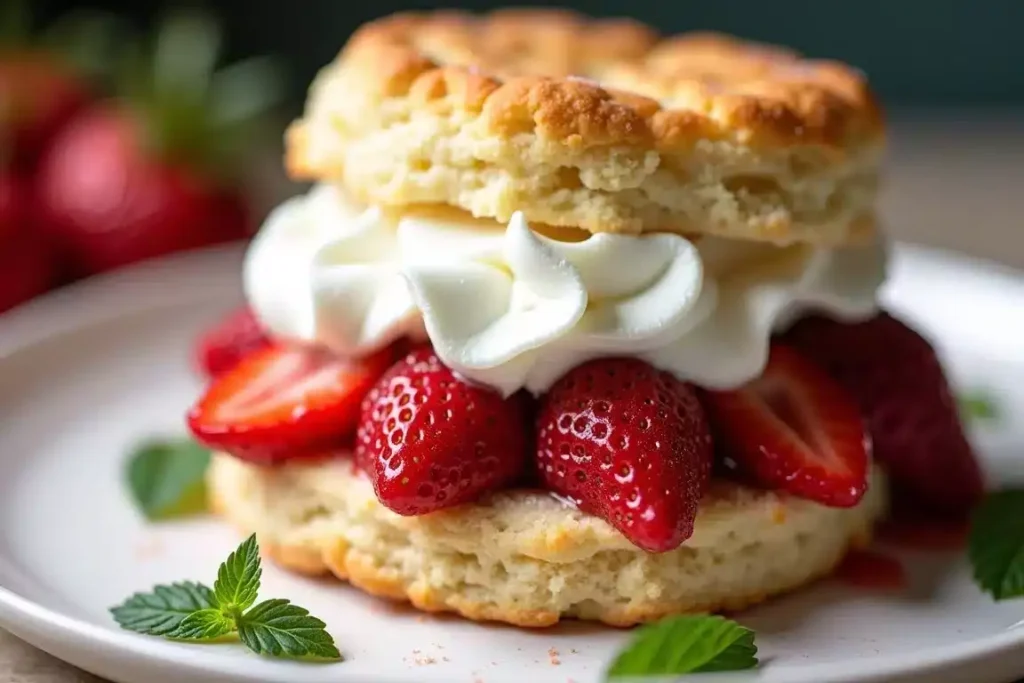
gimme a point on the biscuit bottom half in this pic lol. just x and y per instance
(526, 558)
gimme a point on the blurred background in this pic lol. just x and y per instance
(188, 151)
(952, 53)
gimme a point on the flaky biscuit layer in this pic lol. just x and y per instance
(526, 558)
(600, 125)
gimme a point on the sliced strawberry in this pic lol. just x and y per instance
(794, 429)
(631, 445)
(896, 378)
(429, 440)
(222, 347)
(281, 403)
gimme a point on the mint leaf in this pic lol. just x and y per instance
(978, 405)
(281, 629)
(238, 579)
(167, 478)
(206, 624)
(162, 612)
(996, 544)
(686, 644)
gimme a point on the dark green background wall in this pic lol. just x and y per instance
(917, 52)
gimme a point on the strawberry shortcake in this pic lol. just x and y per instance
(575, 321)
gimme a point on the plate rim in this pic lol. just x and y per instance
(35, 322)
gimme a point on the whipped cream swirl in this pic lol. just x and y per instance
(512, 308)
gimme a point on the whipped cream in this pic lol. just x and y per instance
(511, 308)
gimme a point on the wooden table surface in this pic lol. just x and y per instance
(955, 182)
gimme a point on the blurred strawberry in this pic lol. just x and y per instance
(109, 202)
(27, 266)
(157, 170)
(15, 205)
(48, 75)
(38, 95)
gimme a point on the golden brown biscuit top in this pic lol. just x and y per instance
(597, 82)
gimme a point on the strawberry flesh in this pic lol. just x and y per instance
(629, 444)
(428, 440)
(898, 381)
(794, 429)
(225, 345)
(283, 403)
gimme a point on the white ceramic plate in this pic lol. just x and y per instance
(89, 371)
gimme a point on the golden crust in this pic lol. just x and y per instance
(539, 70)
(525, 559)
(555, 114)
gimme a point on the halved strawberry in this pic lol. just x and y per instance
(897, 379)
(225, 345)
(428, 440)
(285, 402)
(794, 429)
(631, 445)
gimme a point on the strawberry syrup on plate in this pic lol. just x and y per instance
(873, 570)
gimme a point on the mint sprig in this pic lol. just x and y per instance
(193, 612)
(686, 644)
(167, 478)
(996, 544)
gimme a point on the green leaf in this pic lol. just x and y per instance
(187, 46)
(996, 544)
(245, 90)
(88, 39)
(15, 23)
(162, 612)
(167, 478)
(686, 644)
(281, 629)
(238, 579)
(979, 405)
(206, 624)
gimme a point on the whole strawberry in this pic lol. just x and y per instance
(157, 170)
(429, 440)
(108, 202)
(38, 95)
(27, 264)
(898, 382)
(631, 445)
(48, 73)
